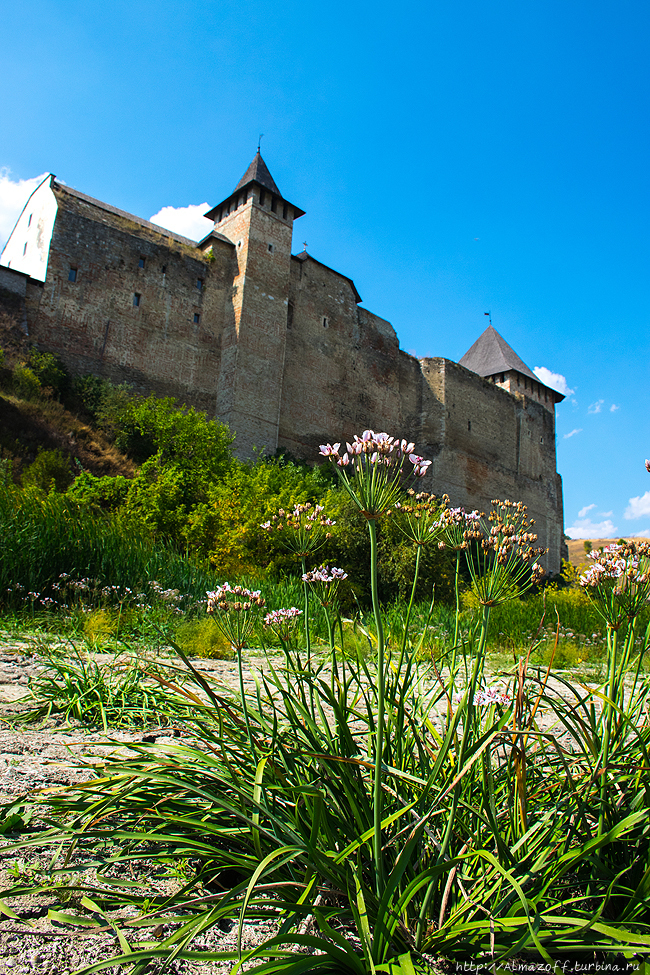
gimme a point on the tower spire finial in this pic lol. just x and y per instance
(259, 140)
(489, 315)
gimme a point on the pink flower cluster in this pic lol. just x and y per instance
(324, 574)
(628, 563)
(237, 598)
(490, 695)
(280, 617)
(458, 527)
(378, 448)
(303, 516)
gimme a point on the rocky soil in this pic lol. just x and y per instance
(37, 758)
(47, 756)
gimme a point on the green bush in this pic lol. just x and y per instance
(203, 638)
(87, 395)
(109, 493)
(26, 383)
(50, 470)
(158, 426)
(50, 372)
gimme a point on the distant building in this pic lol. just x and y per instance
(273, 343)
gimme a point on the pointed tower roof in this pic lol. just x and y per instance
(258, 172)
(491, 354)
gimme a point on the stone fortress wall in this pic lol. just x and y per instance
(274, 344)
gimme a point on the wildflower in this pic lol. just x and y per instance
(327, 450)
(304, 529)
(647, 465)
(235, 610)
(419, 517)
(325, 574)
(236, 598)
(458, 527)
(278, 617)
(500, 569)
(619, 580)
(378, 466)
(484, 697)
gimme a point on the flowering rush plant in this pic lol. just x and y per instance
(506, 565)
(420, 518)
(303, 530)
(618, 581)
(372, 467)
(283, 621)
(324, 583)
(458, 528)
(235, 611)
(486, 696)
(372, 471)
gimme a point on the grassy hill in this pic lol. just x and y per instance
(29, 426)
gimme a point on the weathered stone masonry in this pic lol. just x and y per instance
(274, 344)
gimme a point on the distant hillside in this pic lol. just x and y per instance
(578, 556)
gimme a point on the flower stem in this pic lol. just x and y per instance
(330, 639)
(407, 621)
(468, 724)
(243, 703)
(305, 589)
(457, 601)
(305, 593)
(379, 744)
(454, 649)
(612, 638)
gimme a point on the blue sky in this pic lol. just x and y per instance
(453, 158)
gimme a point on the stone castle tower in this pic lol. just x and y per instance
(259, 222)
(275, 344)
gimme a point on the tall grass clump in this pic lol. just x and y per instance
(47, 537)
(382, 811)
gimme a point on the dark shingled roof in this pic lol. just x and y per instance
(258, 172)
(491, 354)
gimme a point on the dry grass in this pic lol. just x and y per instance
(25, 426)
(577, 554)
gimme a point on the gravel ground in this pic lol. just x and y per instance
(48, 756)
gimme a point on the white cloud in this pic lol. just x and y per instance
(638, 507)
(586, 528)
(613, 408)
(585, 511)
(573, 433)
(605, 514)
(13, 197)
(596, 407)
(553, 379)
(644, 533)
(187, 221)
